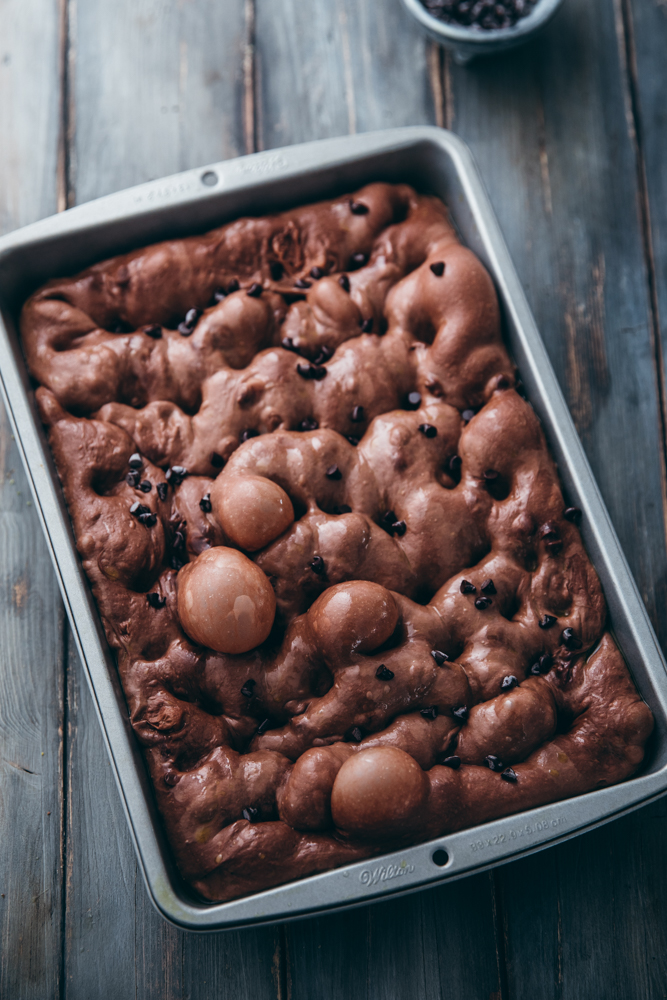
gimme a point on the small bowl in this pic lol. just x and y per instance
(466, 42)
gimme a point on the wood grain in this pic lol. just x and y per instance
(31, 618)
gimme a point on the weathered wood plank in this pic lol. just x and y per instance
(31, 661)
(550, 131)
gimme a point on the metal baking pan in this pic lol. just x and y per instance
(432, 160)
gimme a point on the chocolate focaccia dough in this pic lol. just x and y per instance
(439, 655)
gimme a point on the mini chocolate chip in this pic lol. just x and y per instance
(460, 713)
(490, 475)
(219, 295)
(358, 208)
(184, 329)
(509, 774)
(153, 331)
(333, 472)
(175, 475)
(356, 734)
(162, 490)
(488, 587)
(248, 433)
(217, 461)
(413, 401)
(302, 283)
(467, 587)
(344, 282)
(255, 290)
(135, 461)
(454, 464)
(179, 540)
(133, 479)
(438, 268)
(546, 621)
(342, 508)
(439, 656)
(428, 430)
(250, 813)
(494, 763)
(317, 565)
(467, 416)
(387, 519)
(205, 504)
(263, 726)
(277, 270)
(171, 778)
(453, 762)
(233, 286)
(399, 528)
(246, 690)
(543, 665)
(358, 415)
(384, 673)
(137, 509)
(309, 424)
(367, 325)
(429, 713)
(288, 344)
(319, 372)
(572, 514)
(317, 272)
(548, 530)
(149, 519)
(326, 352)
(482, 603)
(570, 639)
(145, 486)
(352, 439)
(509, 682)
(359, 259)
(305, 370)
(156, 601)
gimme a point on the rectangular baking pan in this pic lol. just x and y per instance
(434, 161)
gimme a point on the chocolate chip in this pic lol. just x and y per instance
(263, 726)
(399, 528)
(467, 416)
(546, 621)
(342, 509)
(490, 475)
(179, 540)
(413, 401)
(319, 372)
(358, 415)
(250, 813)
(217, 461)
(317, 272)
(205, 504)
(149, 519)
(137, 509)
(317, 565)
(543, 665)
(133, 479)
(429, 713)
(493, 763)
(438, 268)
(276, 269)
(189, 323)
(233, 286)
(333, 472)
(439, 656)
(356, 734)
(288, 344)
(156, 601)
(454, 464)
(488, 587)
(383, 673)
(453, 762)
(509, 774)
(153, 331)
(428, 430)
(171, 778)
(482, 603)
(467, 587)
(572, 514)
(460, 713)
(359, 259)
(387, 519)
(302, 283)
(326, 352)
(352, 439)
(367, 325)
(248, 433)
(309, 424)
(570, 639)
(509, 682)
(145, 486)
(219, 295)
(255, 290)
(246, 690)
(175, 475)
(162, 490)
(311, 371)
(135, 461)
(344, 282)
(548, 531)
(358, 208)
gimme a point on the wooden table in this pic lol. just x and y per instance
(569, 133)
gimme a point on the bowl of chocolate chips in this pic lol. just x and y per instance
(481, 27)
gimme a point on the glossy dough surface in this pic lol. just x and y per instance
(325, 393)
